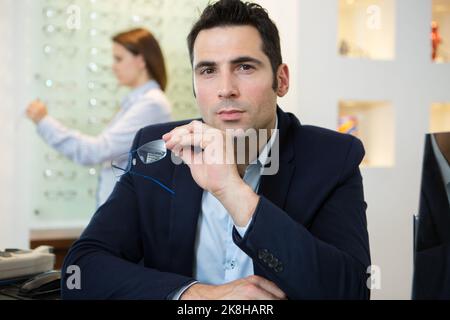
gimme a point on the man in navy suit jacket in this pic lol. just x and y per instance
(305, 226)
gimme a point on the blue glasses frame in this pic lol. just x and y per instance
(148, 153)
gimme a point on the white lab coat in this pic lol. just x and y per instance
(144, 106)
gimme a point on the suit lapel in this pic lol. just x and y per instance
(184, 213)
(275, 187)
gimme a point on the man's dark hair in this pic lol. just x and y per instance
(236, 13)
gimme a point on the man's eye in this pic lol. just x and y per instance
(207, 71)
(245, 67)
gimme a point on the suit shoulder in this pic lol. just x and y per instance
(327, 136)
(331, 144)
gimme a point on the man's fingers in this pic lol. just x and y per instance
(200, 140)
(263, 294)
(190, 157)
(192, 127)
(267, 285)
(187, 128)
(185, 141)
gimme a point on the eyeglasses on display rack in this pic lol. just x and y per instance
(148, 153)
(49, 83)
(60, 4)
(54, 157)
(92, 172)
(154, 21)
(69, 175)
(106, 86)
(96, 32)
(63, 51)
(91, 192)
(104, 4)
(97, 68)
(54, 195)
(156, 4)
(110, 104)
(66, 104)
(99, 51)
(51, 30)
(104, 16)
(94, 120)
(68, 121)
(65, 85)
(53, 12)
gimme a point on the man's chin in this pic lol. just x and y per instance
(237, 126)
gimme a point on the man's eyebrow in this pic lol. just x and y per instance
(246, 59)
(203, 64)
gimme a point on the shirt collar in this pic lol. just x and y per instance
(137, 92)
(442, 162)
(264, 154)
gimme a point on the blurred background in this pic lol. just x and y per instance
(377, 69)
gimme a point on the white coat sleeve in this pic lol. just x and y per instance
(116, 139)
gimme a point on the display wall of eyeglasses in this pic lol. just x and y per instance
(72, 75)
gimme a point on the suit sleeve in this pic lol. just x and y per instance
(327, 260)
(109, 251)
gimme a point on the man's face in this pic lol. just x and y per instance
(233, 79)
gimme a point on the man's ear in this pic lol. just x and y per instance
(283, 80)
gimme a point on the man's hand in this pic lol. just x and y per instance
(209, 153)
(36, 111)
(250, 288)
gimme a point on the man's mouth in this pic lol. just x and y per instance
(230, 114)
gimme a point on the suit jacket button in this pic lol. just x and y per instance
(279, 268)
(262, 254)
(275, 263)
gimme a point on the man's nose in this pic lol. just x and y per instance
(228, 88)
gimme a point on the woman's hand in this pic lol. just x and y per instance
(36, 111)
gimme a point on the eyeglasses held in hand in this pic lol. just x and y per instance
(148, 153)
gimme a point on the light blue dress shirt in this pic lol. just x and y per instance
(217, 258)
(443, 166)
(143, 106)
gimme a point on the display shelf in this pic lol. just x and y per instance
(373, 123)
(440, 117)
(366, 29)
